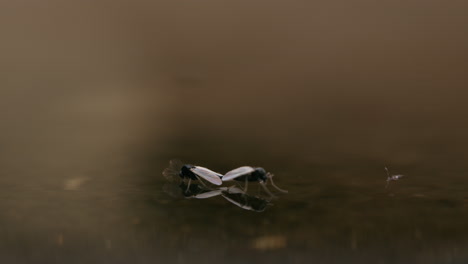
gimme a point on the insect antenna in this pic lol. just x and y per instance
(270, 176)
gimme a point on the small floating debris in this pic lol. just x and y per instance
(269, 242)
(392, 177)
(74, 183)
(59, 239)
(108, 243)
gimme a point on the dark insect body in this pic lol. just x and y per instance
(251, 174)
(185, 172)
(191, 172)
(259, 174)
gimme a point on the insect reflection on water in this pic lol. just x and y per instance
(232, 194)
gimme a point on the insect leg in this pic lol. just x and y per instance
(238, 184)
(246, 184)
(266, 189)
(188, 186)
(201, 181)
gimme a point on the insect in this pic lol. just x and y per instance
(191, 172)
(392, 177)
(251, 174)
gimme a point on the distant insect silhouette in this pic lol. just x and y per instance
(392, 177)
(252, 174)
(191, 172)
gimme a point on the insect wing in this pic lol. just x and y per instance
(172, 172)
(208, 175)
(241, 171)
(234, 190)
(169, 174)
(176, 164)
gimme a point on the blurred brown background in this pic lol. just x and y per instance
(325, 76)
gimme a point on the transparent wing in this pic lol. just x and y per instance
(237, 173)
(169, 174)
(208, 175)
(234, 189)
(172, 172)
(176, 164)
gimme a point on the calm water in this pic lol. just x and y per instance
(96, 98)
(112, 206)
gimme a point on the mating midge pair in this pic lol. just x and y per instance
(244, 173)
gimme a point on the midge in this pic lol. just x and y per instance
(392, 178)
(191, 172)
(251, 174)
